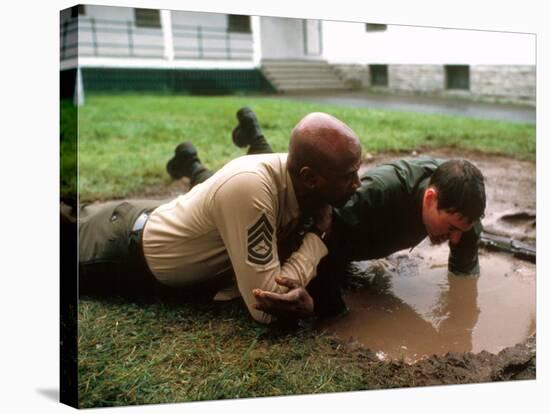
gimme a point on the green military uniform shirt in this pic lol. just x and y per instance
(385, 216)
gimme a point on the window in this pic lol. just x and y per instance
(378, 75)
(147, 17)
(79, 10)
(375, 27)
(457, 77)
(238, 24)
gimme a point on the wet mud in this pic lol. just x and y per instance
(513, 363)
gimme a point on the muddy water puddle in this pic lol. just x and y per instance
(409, 306)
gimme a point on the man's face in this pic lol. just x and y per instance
(337, 185)
(442, 225)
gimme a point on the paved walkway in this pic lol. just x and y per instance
(442, 106)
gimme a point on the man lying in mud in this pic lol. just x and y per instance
(397, 206)
(234, 220)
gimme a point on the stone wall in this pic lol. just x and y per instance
(515, 83)
(512, 83)
(416, 78)
(355, 76)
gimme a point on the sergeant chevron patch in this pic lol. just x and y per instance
(260, 241)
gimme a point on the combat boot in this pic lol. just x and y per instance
(248, 129)
(184, 161)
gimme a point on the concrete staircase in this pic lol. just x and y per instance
(302, 76)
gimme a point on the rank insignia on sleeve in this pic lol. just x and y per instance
(260, 241)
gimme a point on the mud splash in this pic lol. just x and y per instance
(409, 307)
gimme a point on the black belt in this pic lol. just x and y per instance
(135, 240)
(144, 279)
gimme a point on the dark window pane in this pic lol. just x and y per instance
(375, 27)
(78, 10)
(457, 77)
(147, 18)
(238, 24)
(378, 75)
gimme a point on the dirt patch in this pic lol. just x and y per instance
(513, 363)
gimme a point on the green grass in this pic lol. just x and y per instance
(158, 353)
(125, 141)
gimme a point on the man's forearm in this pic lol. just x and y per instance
(464, 263)
(464, 258)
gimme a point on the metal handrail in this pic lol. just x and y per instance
(202, 34)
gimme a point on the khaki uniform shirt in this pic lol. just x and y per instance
(232, 219)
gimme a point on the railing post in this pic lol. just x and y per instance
(227, 44)
(320, 30)
(256, 41)
(167, 34)
(304, 36)
(78, 98)
(94, 36)
(130, 38)
(199, 40)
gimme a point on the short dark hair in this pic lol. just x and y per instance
(460, 189)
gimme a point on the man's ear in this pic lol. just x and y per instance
(430, 197)
(309, 178)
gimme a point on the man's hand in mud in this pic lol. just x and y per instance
(296, 303)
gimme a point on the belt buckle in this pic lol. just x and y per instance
(140, 222)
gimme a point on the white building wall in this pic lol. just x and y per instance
(351, 43)
(282, 38)
(313, 38)
(107, 33)
(113, 32)
(204, 36)
(188, 18)
(147, 49)
(110, 12)
(501, 65)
